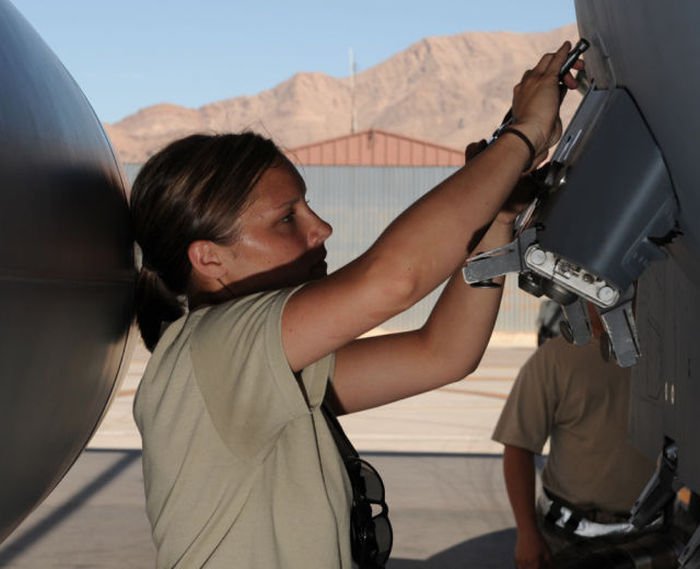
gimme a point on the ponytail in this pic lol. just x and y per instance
(155, 305)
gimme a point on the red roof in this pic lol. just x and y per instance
(375, 148)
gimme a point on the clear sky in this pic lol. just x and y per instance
(129, 54)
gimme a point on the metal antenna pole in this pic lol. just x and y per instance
(353, 69)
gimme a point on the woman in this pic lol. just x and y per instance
(240, 467)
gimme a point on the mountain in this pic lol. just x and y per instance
(447, 90)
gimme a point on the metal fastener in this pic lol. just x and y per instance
(538, 257)
(606, 294)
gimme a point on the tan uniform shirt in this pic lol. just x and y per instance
(571, 395)
(239, 471)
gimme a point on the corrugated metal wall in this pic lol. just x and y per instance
(359, 202)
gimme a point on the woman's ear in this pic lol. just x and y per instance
(206, 260)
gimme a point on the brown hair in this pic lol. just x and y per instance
(193, 189)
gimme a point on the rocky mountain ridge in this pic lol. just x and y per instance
(447, 90)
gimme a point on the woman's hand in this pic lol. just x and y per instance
(536, 101)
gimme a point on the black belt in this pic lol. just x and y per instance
(565, 517)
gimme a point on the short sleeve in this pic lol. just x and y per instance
(243, 374)
(527, 417)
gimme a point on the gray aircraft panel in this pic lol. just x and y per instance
(66, 270)
(616, 225)
(650, 48)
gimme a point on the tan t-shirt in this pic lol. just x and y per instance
(571, 395)
(239, 471)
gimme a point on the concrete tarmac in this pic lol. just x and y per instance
(442, 473)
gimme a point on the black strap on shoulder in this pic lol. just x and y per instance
(342, 441)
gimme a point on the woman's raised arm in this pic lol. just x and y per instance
(427, 242)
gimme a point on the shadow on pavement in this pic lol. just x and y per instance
(489, 551)
(448, 512)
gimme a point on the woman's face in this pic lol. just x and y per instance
(280, 239)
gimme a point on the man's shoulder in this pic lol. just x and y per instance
(546, 357)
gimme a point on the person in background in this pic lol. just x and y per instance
(572, 397)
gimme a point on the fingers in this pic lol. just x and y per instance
(548, 63)
(559, 57)
(569, 80)
(537, 97)
(543, 63)
(553, 61)
(539, 159)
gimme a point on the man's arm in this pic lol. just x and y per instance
(531, 550)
